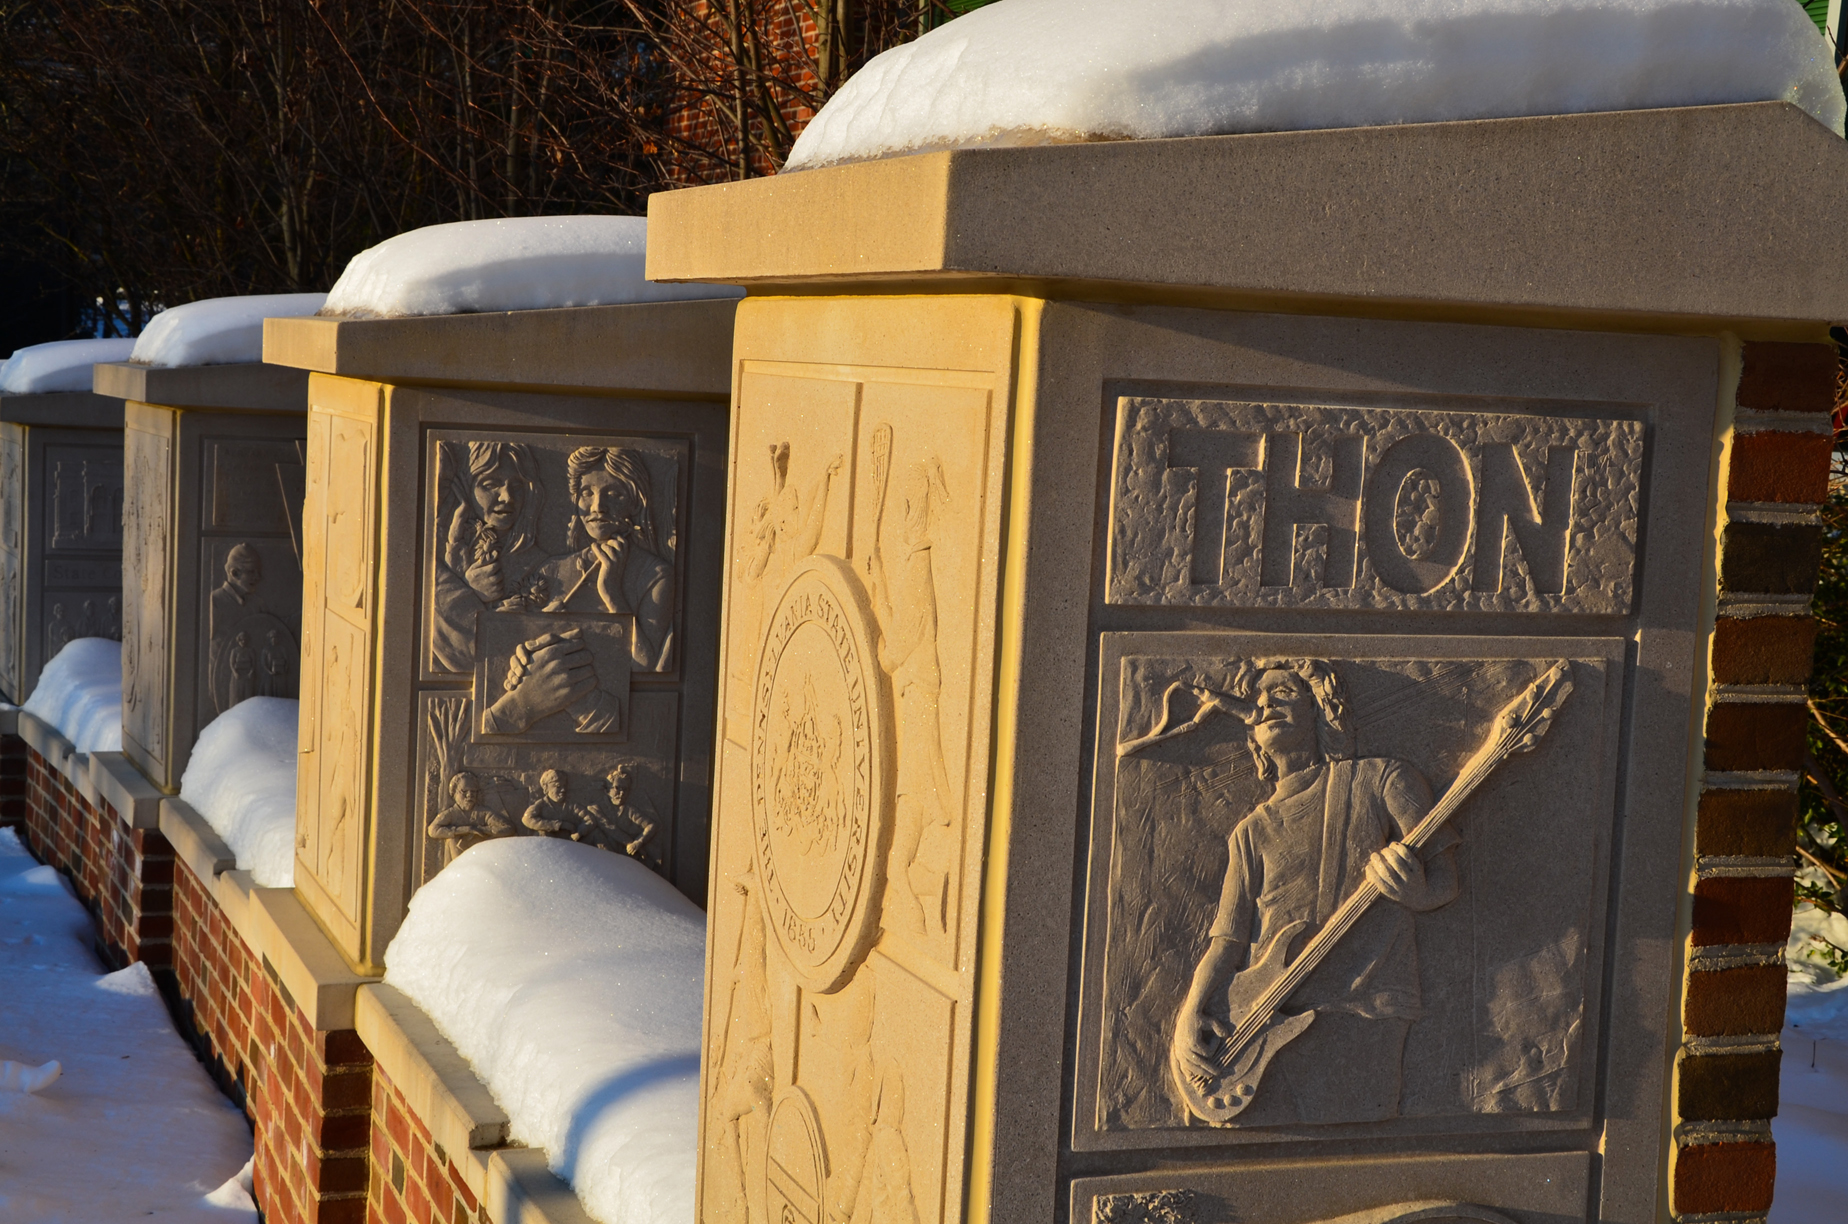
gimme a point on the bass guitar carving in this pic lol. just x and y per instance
(1255, 997)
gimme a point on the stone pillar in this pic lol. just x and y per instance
(212, 577)
(1128, 542)
(512, 542)
(60, 528)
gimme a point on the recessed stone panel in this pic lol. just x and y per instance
(60, 531)
(1468, 1008)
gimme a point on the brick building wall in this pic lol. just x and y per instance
(123, 876)
(1774, 477)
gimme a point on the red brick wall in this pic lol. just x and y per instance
(311, 1100)
(413, 1178)
(1726, 1082)
(701, 115)
(123, 876)
(213, 973)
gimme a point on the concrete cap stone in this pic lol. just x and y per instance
(1640, 217)
(674, 348)
(252, 386)
(65, 409)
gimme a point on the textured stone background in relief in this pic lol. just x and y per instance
(1412, 526)
(1502, 968)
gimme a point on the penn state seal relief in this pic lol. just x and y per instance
(820, 753)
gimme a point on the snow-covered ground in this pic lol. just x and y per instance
(512, 263)
(218, 331)
(80, 693)
(1812, 1118)
(241, 778)
(1027, 72)
(62, 365)
(571, 979)
(132, 1128)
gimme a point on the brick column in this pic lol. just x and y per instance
(1775, 475)
(12, 782)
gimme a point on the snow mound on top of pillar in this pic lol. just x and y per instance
(511, 263)
(62, 365)
(80, 693)
(241, 779)
(218, 331)
(571, 978)
(1033, 72)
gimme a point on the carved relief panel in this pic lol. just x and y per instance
(339, 517)
(1237, 504)
(551, 642)
(1261, 962)
(147, 586)
(864, 535)
(71, 533)
(12, 591)
(249, 579)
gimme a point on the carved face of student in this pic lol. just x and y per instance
(498, 493)
(244, 569)
(466, 792)
(552, 784)
(1286, 713)
(619, 787)
(607, 506)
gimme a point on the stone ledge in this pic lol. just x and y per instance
(1471, 215)
(521, 1189)
(248, 386)
(63, 409)
(232, 892)
(647, 348)
(284, 935)
(195, 843)
(9, 720)
(433, 1077)
(47, 741)
(121, 786)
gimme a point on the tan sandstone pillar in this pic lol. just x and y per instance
(60, 528)
(212, 557)
(1126, 543)
(512, 542)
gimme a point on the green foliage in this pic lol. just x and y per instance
(1822, 836)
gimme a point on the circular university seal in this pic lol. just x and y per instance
(820, 815)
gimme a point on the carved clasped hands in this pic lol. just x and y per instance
(550, 673)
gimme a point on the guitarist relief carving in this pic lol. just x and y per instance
(1333, 826)
(1358, 953)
